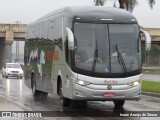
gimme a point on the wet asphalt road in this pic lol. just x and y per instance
(15, 96)
(149, 77)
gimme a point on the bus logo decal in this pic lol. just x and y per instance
(107, 69)
(109, 87)
(56, 56)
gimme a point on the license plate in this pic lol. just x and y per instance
(109, 95)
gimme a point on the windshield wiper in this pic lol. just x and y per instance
(121, 60)
(95, 57)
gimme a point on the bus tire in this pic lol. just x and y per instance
(35, 92)
(64, 101)
(119, 103)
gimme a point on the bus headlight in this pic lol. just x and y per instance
(135, 83)
(81, 82)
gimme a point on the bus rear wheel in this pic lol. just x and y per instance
(35, 92)
(64, 101)
(119, 103)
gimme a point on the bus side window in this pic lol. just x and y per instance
(67, 53)
(66, 50)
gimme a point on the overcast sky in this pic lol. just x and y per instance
(27, 11)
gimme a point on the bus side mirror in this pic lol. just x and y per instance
(70, 39)
(147, 40)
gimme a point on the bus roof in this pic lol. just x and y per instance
(86, 14)
(92, 12)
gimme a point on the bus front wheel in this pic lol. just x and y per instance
(119, 103)
(64, 101)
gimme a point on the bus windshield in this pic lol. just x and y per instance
(107, 48)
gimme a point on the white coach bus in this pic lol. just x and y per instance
(85, 54)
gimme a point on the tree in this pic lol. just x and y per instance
(125, 4)
(151, 3)
(99, 2)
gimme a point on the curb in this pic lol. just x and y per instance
(150, 94)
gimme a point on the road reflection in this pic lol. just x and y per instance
(8, 87)
(12, 84)
(20, 86)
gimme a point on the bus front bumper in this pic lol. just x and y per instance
(84, 93)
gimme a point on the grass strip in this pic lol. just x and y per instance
(151, 86)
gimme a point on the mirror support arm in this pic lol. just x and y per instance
(147, 40)
(70, 38)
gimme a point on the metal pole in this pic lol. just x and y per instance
(159, 55)
(148, 58)
(17, 43)
(145, 52)
(17, 50)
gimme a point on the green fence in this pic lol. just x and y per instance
(151, 59)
